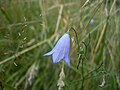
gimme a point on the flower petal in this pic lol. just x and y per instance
(67, 60)
(67, 46)
(59, 49)
(58, 55)
(67, 51)
(49, 53)
(61, 42)
(58, 46)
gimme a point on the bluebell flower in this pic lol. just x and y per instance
(61, 50)
(91, 21)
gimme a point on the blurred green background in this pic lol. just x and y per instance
(30, 28)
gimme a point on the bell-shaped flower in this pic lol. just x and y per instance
(92, 21)
(61, 50)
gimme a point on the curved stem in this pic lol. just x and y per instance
(80, 57)
(76, 37)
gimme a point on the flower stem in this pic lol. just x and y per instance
(76, 38)
(82, 77)
(80, 57)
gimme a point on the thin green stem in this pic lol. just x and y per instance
(76, 38)
(82, 85)
(80, 57)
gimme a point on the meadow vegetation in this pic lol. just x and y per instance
(30, 28)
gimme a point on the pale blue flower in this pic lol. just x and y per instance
(61, 50)
(91, 21)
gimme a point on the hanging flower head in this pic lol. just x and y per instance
(92, 21)
(61, 50)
